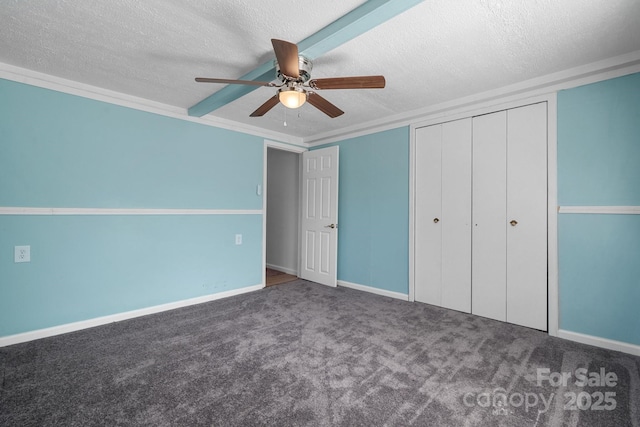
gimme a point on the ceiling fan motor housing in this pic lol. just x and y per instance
(305, 66)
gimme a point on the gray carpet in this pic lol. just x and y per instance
(303, 354)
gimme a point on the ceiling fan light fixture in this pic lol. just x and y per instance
(292, 97)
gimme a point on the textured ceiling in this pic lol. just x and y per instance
(437, 51)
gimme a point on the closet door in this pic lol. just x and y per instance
(527, 216)
(443, 215)
(456, 215)
(428, 203)
(489, 249)
(509, 250)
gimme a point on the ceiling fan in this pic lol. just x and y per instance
(295, 85)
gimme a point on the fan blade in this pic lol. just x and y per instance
(234, 82)
(264, 108)
(361, 82)
(323, 105)
(287, 57)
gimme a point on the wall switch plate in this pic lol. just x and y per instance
(22, 254)
(238, 239)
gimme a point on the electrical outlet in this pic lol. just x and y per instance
(22, 254)
(238, 239)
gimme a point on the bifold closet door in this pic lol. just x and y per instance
(527, 216)
(509, 249)
(489, 249)
(428, 210)
(443, 215)
(456, 215)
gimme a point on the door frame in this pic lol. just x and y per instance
(552, 186)
(263, 190)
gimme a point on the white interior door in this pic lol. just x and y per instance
(428, 211)
(489, 249)
(319, 225)
(527, 216)
(456, 215)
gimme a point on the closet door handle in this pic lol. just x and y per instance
(436, 220)
(513, 223)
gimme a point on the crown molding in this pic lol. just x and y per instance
(585, 74)
(59, 84)
(578, 76)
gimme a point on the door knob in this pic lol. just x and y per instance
(436, 220)
(513, 222)
(330, 226)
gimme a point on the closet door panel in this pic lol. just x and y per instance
(428, 200)
(527, 216)
(456, 215)
(489, 257)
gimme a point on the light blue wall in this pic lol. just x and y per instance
(65, 151)
(59, 150)
(600, 275)
(599, 143)
(373, 210)
(599, 165)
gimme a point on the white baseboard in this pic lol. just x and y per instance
(600, 342)
(98, 321)
(282, 269)
(377, 291)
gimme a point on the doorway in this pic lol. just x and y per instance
(282, 213)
